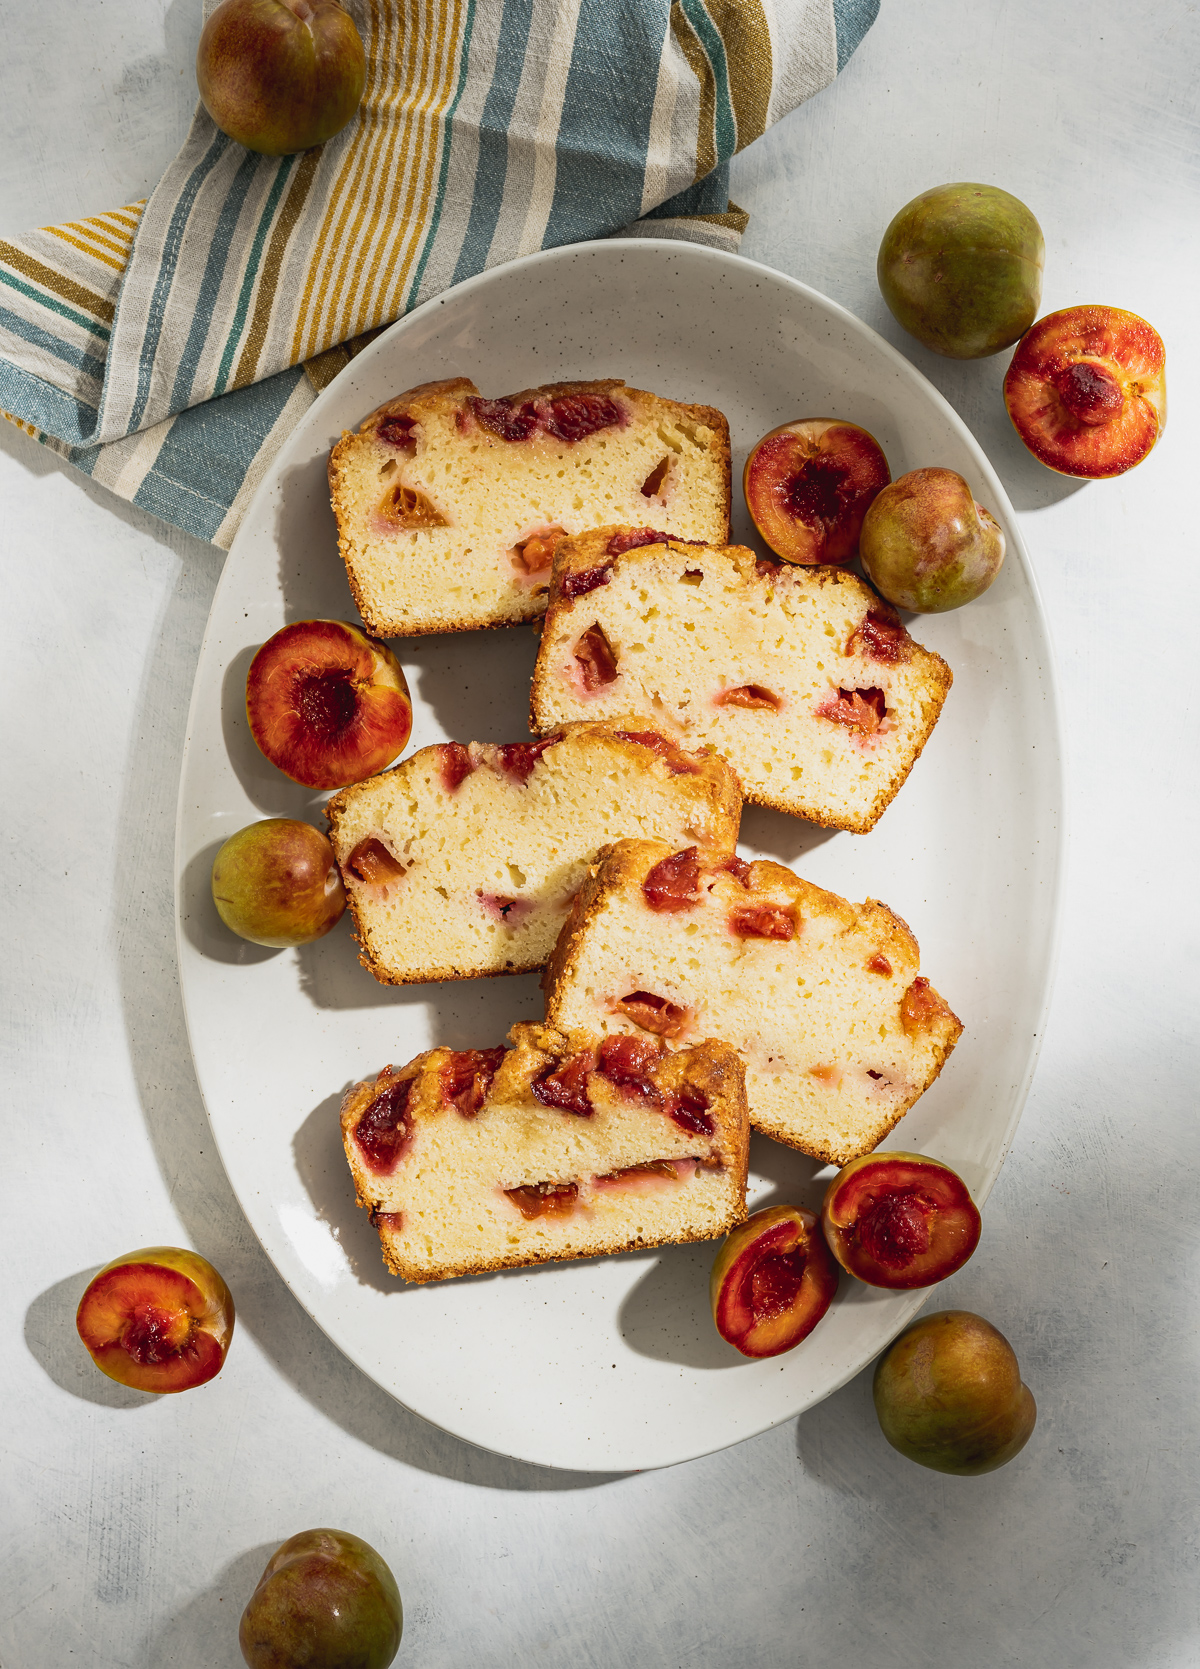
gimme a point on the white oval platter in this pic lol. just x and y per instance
(614, 1363)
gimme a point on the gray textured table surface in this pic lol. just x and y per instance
(132, 1529)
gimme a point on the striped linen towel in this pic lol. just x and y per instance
(168, 347)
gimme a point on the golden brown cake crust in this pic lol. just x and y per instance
(711, 1068)
(589, 551)
(448, 396)
(623, 867)
(708, 774)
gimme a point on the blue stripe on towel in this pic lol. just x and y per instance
(84, 320)
(447, 141)
(491, 167)
(707, 196)
(724, 120)
(204, 459)
(210, 284)
(39, 338)
(602, 166)
(166, 273)
(852, 19)
(48, 408)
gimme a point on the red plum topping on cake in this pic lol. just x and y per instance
(680, 763)
(861, 710)
(502, 418)
(808, 486)
(762, 921)
(921, 1006)
(739, 868)
(457, 765)
(467, 1078)
(565, 417)
(900, 1220)
(772, 1281)
(159, 1319)
(597, 663)
(654, 1014)
(689, 1108)
(383, 1133)
(544, 1199)
(517, 759)
(565, 1086)
(879, 964)
(629, 538)
(674, 882)
(626, 1062)
(580, 581)
(882, 639)
(397, 430)
(372, 863)
(755, 697)
(327, 704)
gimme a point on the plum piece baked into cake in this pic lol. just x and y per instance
(559, 1147)
(802, 677)
(823, 999)
(463, 859)
(449, 506)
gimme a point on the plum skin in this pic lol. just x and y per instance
(927, 545)
(960, 268)
(326, 1600)
(281, 76)
(188, 1334)
(277, 883)
(949, 1395)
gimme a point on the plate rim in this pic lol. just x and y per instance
(667, 247)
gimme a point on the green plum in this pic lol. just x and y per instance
(277, 883)
(926, 544)
(961, 268)
(949, 1395)
(280, 76)
(325, 1601)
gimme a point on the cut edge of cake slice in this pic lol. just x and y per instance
(436, 537)
(561, 1146)
(839, 1032)
(638, 620)
(439, 832)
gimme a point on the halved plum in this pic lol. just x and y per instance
(899, 1220)
(327, 704)
(159, 1319)
(808, 486)
(1087, 391)
(772, 1281)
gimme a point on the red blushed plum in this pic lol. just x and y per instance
(280, 76)
(158, 1320)
(899, 1220)
(927, 545)
(808, 486)
(327, 704)
(1087, 391)
(276, 883)
(772, 1281)
(949, 1395)
(326, 1600)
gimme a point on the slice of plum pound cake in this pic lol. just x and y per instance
(449, 505)
(823, 1000)
(802, 677)
(558, 1147)
(462, 860)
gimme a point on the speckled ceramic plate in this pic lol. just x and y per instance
(611, 1363)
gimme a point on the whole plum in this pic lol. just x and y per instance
(276, 883)
(961, 269)
(280, 76)
(325, 1601)
(926, 544)
(949, 1395)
